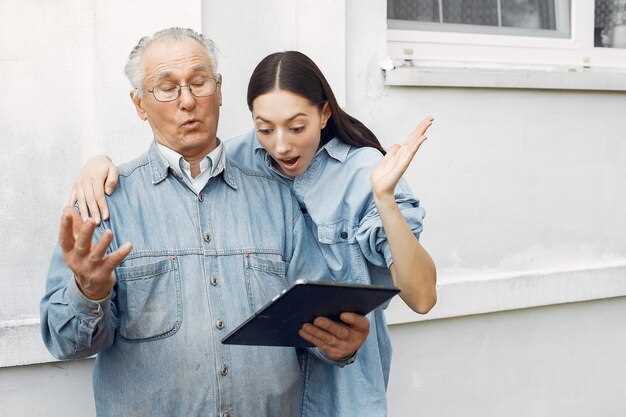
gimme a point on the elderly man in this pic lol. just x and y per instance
(211, 242)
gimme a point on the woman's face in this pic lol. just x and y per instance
(289, 128)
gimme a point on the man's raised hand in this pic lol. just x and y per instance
(92, 267)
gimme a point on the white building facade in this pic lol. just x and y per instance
(523, 179)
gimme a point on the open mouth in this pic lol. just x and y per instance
(289, 163)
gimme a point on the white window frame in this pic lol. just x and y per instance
(455, 52)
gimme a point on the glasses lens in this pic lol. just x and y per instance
(203, 89)
(168, 94)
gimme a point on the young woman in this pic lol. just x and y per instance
(363, 214)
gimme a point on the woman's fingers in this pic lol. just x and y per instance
(82, 202)
(111, 180)
(356, 321)
(71, 199)
(422, 127)
(94, 212)
(311, 338)
(98, 190)
(338, 330)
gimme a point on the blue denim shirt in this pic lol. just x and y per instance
(200, 265)
(336, 195)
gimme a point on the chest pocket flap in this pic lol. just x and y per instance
(339, 231)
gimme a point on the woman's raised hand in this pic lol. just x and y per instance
(98, 176)
(390, 169)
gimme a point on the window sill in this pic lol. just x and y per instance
(505, 76)
(462, 294)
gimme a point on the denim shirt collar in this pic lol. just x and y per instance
(159, 167)
(337, 149)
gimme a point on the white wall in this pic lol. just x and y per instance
(555, 361)
(66, 99)
(513, 181)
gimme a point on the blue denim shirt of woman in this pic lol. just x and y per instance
(335, 195)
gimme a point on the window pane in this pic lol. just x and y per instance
(530, 14)
(540, 18)
(416, 10)
(610, 24)
(471, 12)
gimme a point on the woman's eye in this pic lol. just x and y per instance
(298, 129)
(264, 131)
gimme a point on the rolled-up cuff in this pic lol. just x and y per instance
(83, 305)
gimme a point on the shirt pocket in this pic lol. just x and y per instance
(149, 300)
(265, 276)
(339, 247)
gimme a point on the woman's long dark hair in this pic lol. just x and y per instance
(297, 73)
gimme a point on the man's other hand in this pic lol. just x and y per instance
(92, 268)
(337, 340)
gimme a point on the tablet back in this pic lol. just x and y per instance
(277, 323)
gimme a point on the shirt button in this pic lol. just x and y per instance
(343, 235)
(214, 281)
(224, 371)
(219, 324)
(207, 237)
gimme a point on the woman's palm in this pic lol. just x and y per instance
(390, 169)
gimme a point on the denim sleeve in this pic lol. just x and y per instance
(371, 235)
(72, 326)
(306, 262)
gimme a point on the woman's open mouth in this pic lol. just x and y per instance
(289, 164)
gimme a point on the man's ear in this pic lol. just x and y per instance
(219, 90)
(326, 113)
(137, 100)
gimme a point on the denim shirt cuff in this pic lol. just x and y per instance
(387, 254)
(340, 362)
(83, 306)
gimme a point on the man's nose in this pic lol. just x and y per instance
(186, 100)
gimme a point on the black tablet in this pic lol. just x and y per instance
(277, 323)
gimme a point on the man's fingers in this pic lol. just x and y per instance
(116, 258)
(111, 181)
(66, 235)
(356, 321)
(338, 330)
(83, 242)
(100, 248)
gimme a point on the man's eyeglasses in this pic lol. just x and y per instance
(201, 88)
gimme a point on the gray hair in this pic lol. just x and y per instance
(134, 69)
